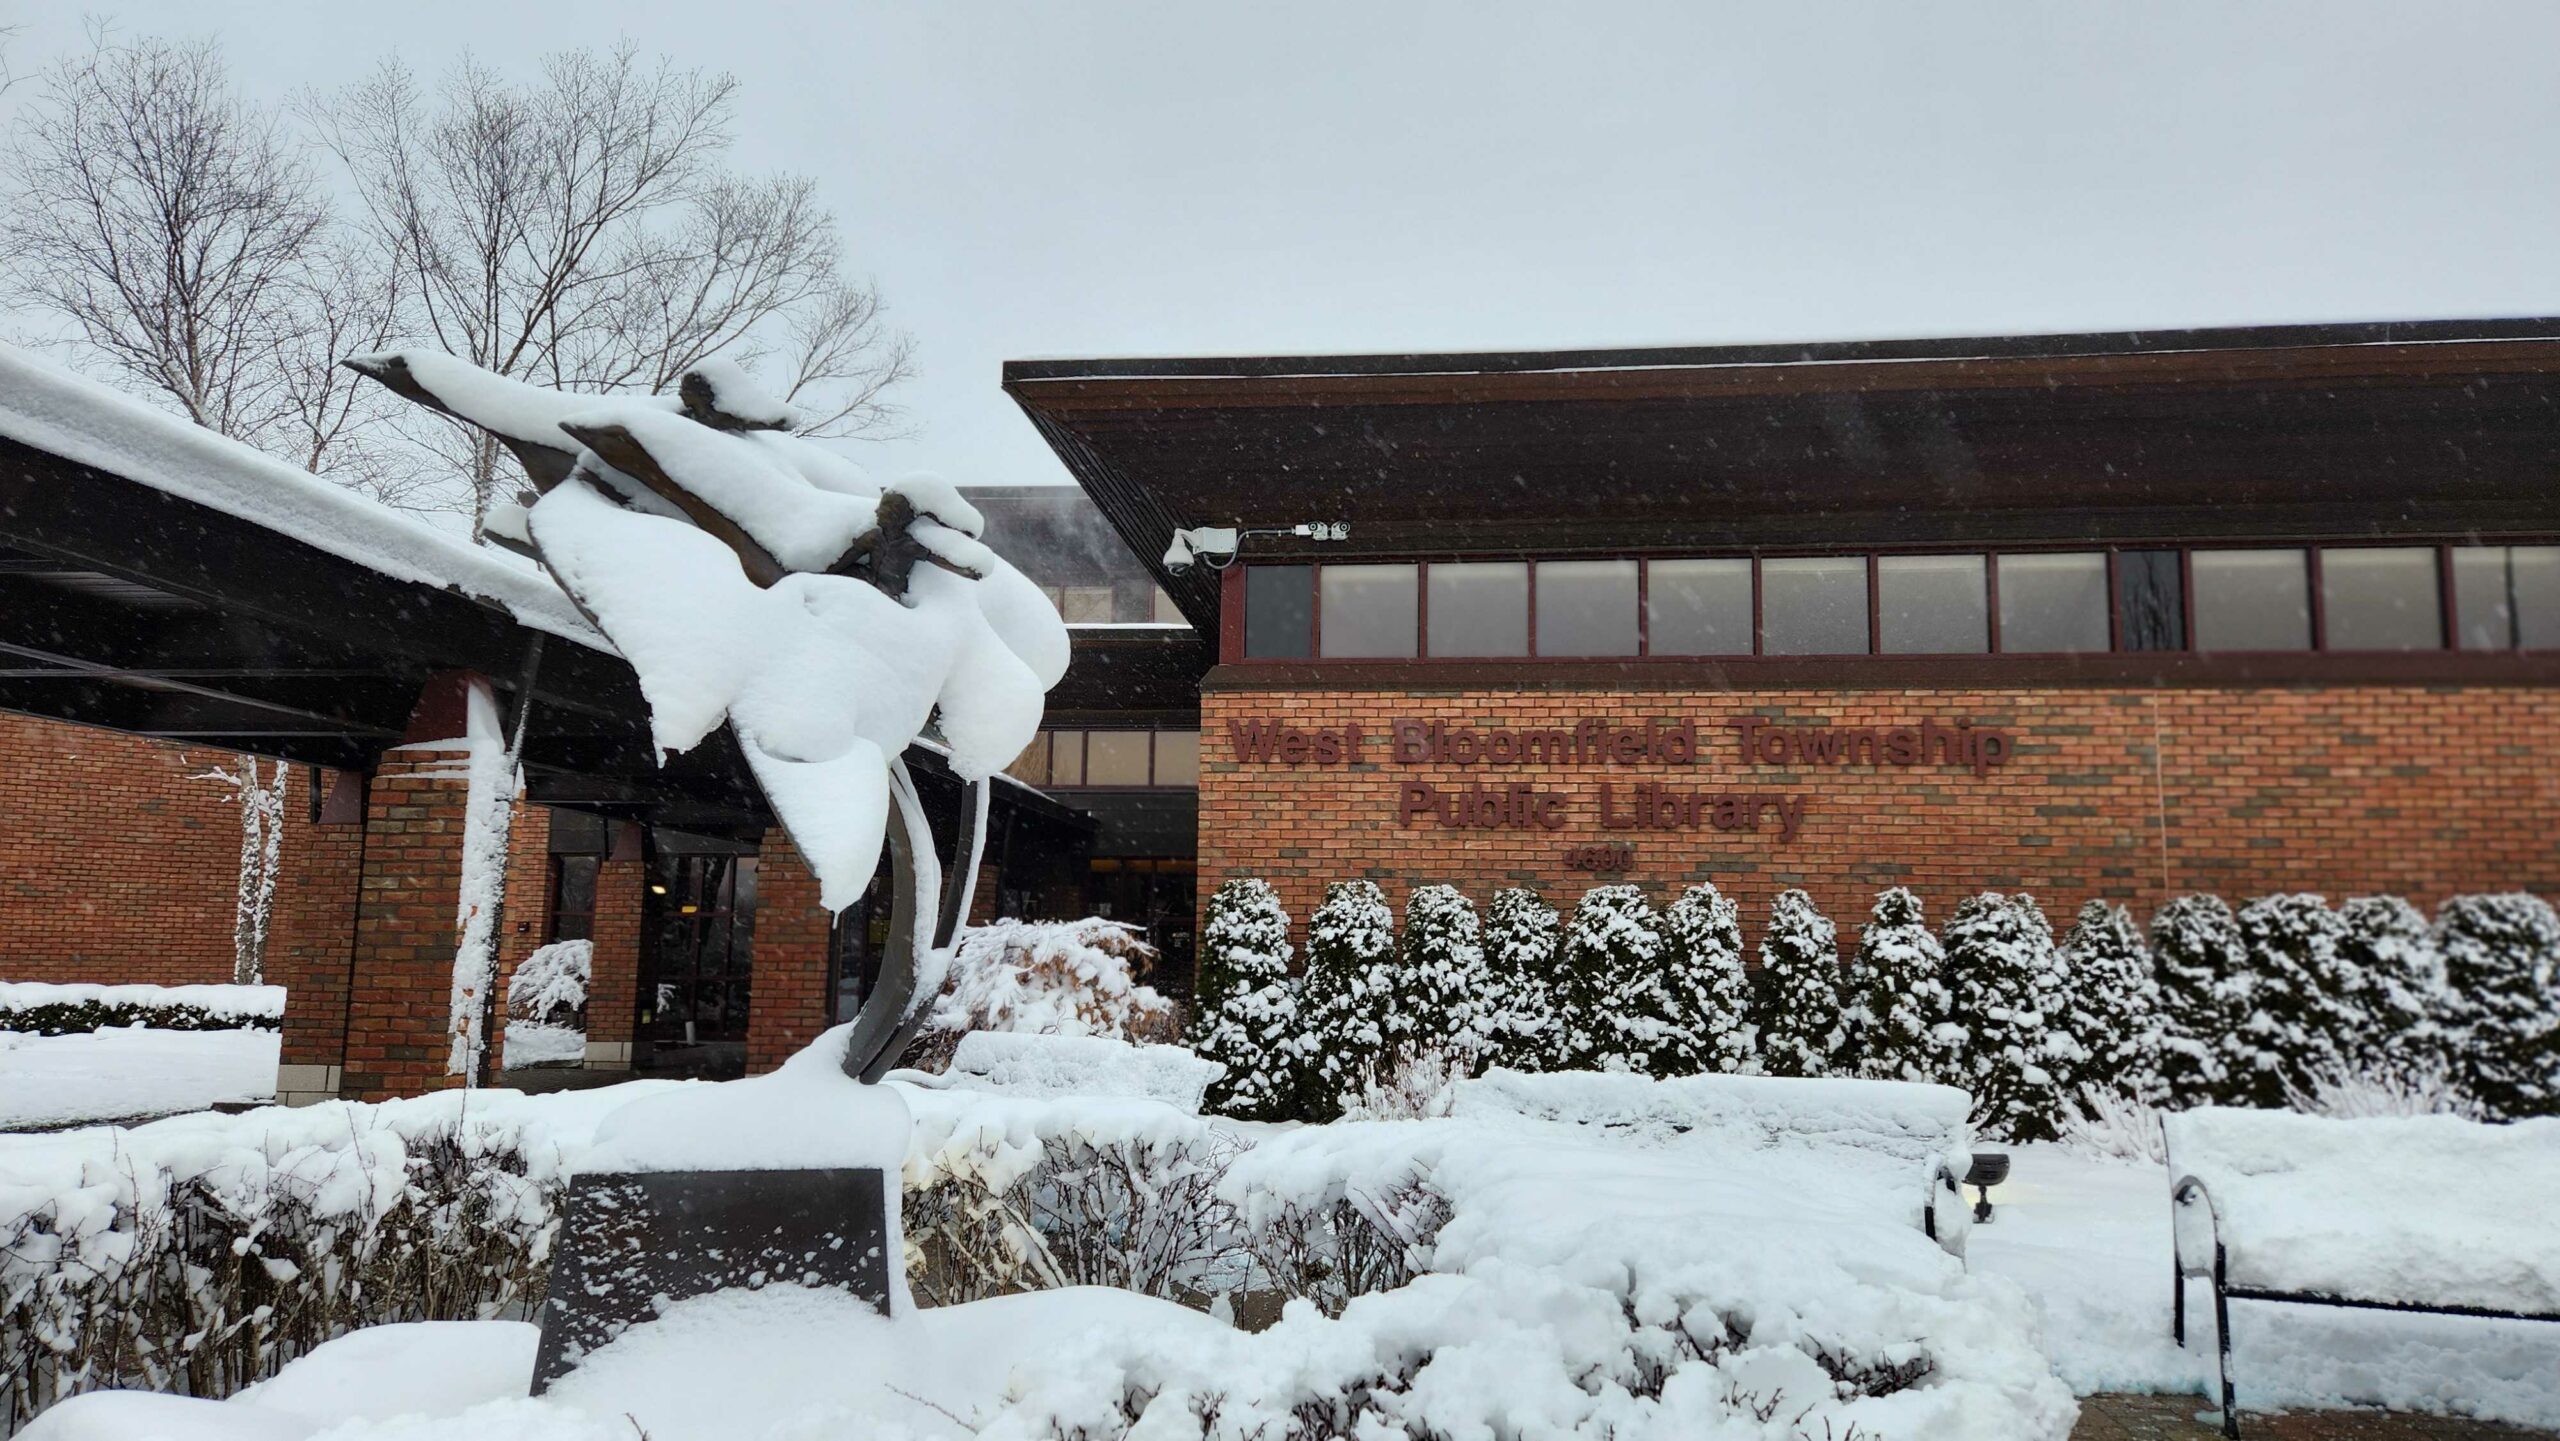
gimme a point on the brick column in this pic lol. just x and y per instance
(310, 937)
(527, 922)
(788, 1006)
(613, 992)
(982, 901)
(397, 1022)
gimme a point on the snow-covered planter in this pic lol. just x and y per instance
(45, 1008)
(1057, 978)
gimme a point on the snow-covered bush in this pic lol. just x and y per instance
(1895, 1013)
(1354, 1015)
(1056, 978)
(2392, 955)
(549, 987)
(1613, 939)
(2200, 963)
(1419, 1086)
(1522, 937)
(1248, 1017)
(2115, 1002)
(2385, 1089)
(1005, 1194)
(1704, 929)
(2502, 1030)
(1800, 1026)
(47, 1008)
(2104, 1121)
(1445, 979)
(2299, 1018)
(2012, 1009)
(197, 1255)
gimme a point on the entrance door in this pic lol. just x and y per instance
(697, 965)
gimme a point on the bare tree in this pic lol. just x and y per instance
(167, 220)
(580, 230)
(261, 802)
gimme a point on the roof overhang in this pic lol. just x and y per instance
(2312, 431)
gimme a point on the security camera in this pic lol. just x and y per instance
(1212, 545)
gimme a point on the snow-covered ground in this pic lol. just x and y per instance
(129, 1074)
(2089, 1239)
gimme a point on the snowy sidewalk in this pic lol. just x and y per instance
(2089, 1240)
(2176, 1418)
(128, 1075)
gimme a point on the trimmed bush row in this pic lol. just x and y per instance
(44, 1008)
(2262, 1006)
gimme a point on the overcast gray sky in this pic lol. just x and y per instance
(1077, 179)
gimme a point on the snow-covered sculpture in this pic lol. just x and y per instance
(751, 576)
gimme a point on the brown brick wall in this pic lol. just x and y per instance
(117, 865)
(2134, 795)
(613, 991)
(397, 1040)
(788, 1007)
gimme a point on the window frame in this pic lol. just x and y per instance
(2185, 655)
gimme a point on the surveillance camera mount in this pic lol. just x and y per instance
(1216, 546)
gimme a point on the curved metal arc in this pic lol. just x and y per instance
(967, 848)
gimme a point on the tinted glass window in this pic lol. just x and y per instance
(2384, 597)
(1814, 605)
(1279, 612)
(1932, 605)
(1477, 608)
(2507, 596)
(1085, 604)
(2151, 600)
(2053, 603)
(1117, 758)
(1587, 607)
(1066, 758)
(1698, 607)
(1163, 608)
(1369, 610)
(1177, 758)
(2252, 600)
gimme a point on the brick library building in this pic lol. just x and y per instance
(2114, 616)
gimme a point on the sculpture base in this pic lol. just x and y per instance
(629, 1243)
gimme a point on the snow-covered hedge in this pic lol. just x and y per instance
(46, 1008)
(196, 1255)
(1059, 978)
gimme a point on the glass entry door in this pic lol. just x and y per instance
(696, 969)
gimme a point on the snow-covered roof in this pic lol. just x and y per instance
(52, 410)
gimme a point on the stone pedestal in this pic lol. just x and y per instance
(630, 1244)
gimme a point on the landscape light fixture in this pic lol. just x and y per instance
(1215, 546)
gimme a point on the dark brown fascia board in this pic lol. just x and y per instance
(2260, 356)
(1744, 677)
